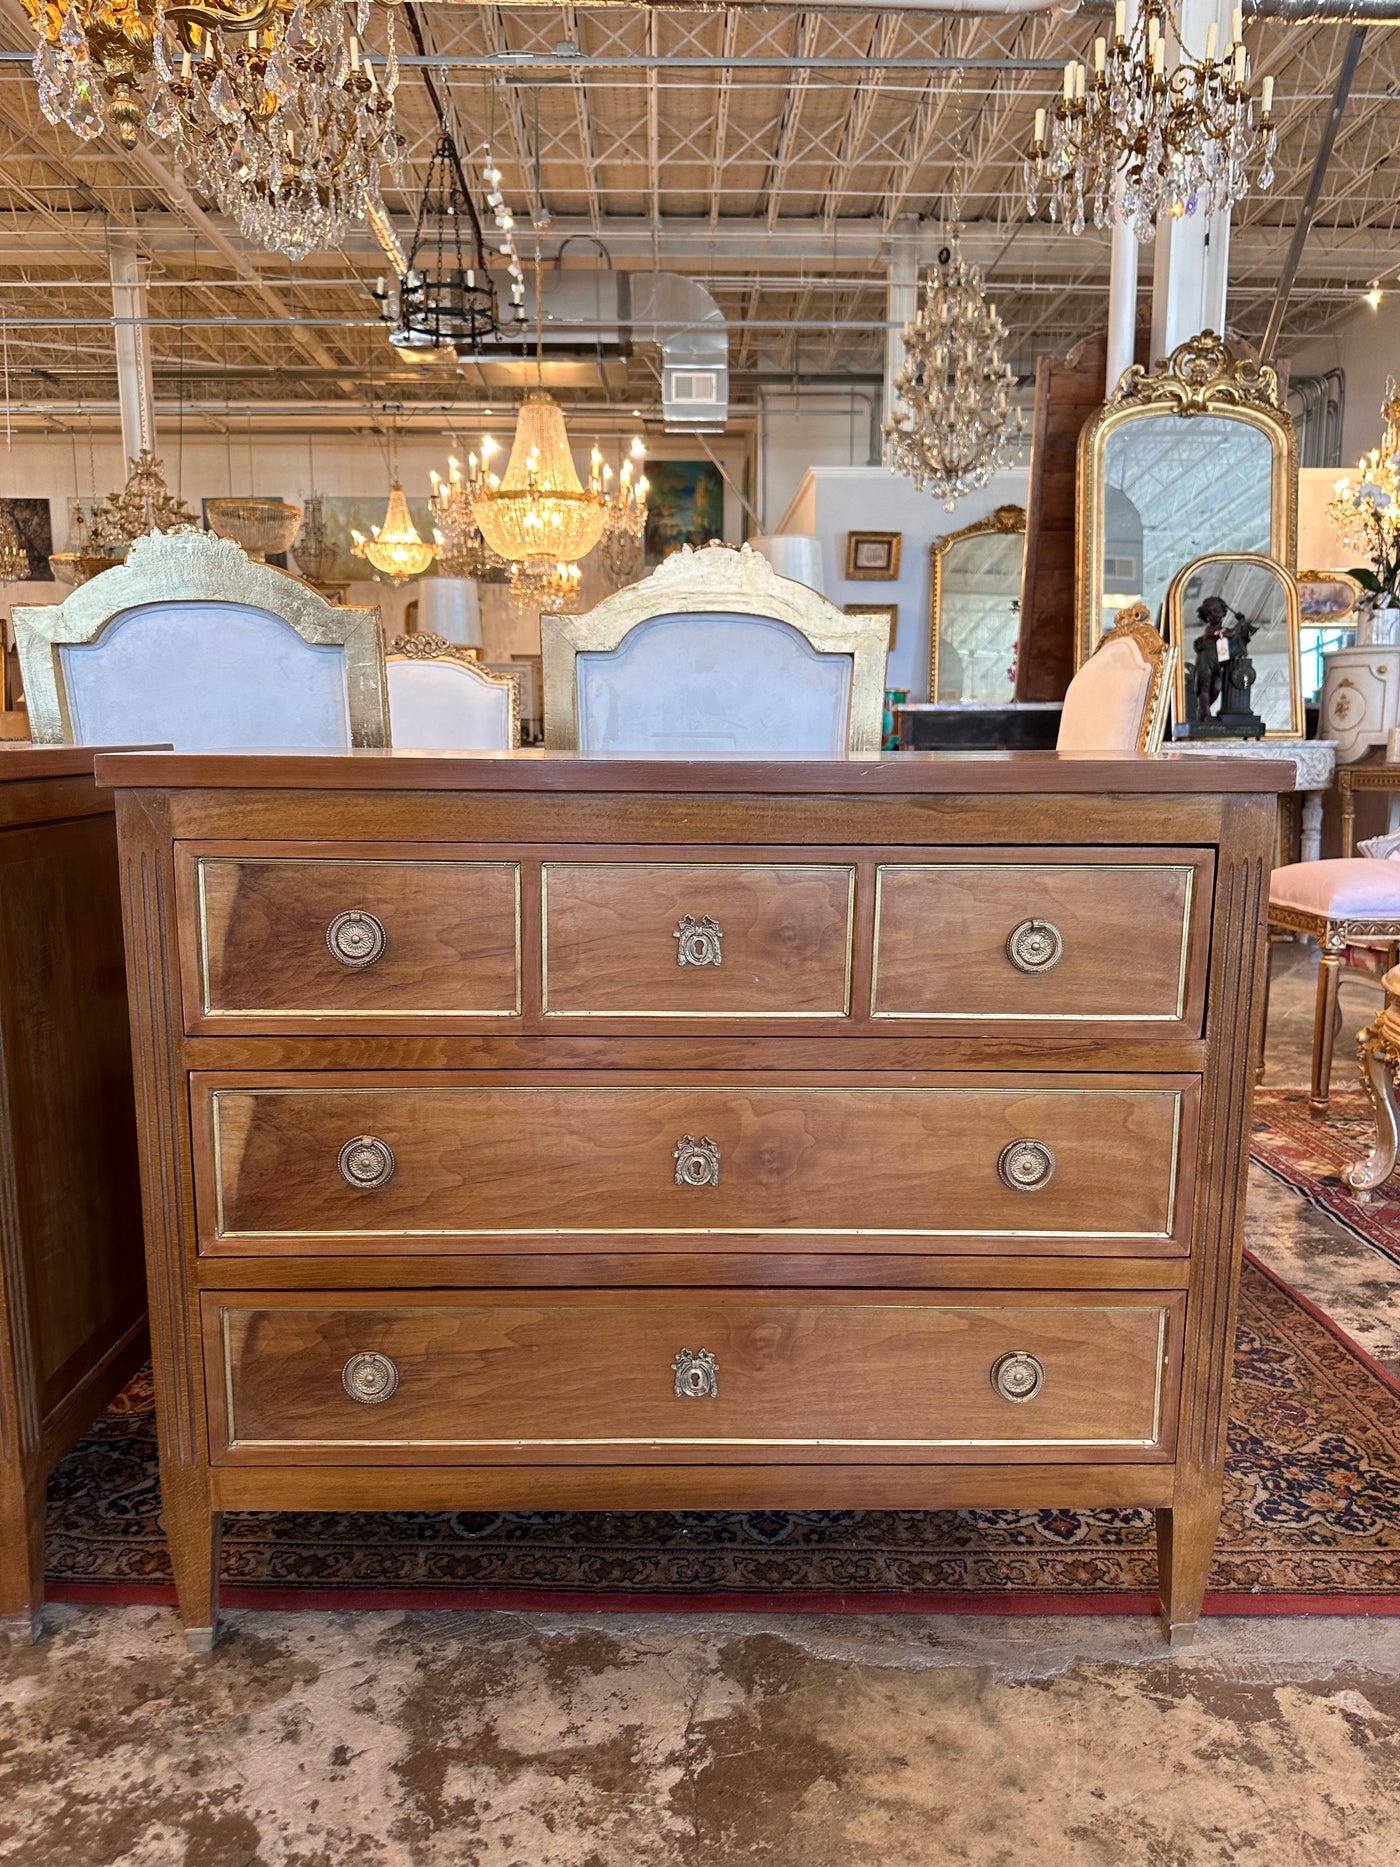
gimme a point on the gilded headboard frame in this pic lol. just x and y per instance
(1004, 519)
(194, 566)
(1203, 376)
(715, 577)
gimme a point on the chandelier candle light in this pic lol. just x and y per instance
(952, 421)
(395, 549)
(1130, 140)
(462, 551)
(538, 512)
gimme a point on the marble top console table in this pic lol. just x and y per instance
(1314, 763)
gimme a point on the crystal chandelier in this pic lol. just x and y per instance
(315, 554)
(145, 504)
(14, 559)
(621, 546)
(444, 299)
(1132, 140)
(1365, 511)
(273, 105)
(395, 549)
(552, 585)
(538, 511)
(951, 424)
(462, 551)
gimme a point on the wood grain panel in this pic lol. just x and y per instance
(944, 928)
(544, 1160)
(256, 957)
(611, 946)
(591, 1378)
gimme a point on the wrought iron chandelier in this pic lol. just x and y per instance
(394, 549)
(444, 299)
(952, 421)
(1132, 140)
(275, 106)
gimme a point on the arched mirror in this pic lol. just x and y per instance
(975, 611)
(1192, 461)
(1245, 606)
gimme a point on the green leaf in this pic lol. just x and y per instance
(1368, 580)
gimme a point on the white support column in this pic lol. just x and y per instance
(1123, 256)
(133, 355)
(901, 299)
(1190, 265)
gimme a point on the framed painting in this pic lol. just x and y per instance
(872, 556)
(1327, 598)
(685, 506)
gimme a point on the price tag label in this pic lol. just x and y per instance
(1222, 649)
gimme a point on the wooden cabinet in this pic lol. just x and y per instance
(72, 1274)
(698, 1134)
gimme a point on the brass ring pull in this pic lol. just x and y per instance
(697, 1162)
(369, 1378)
(697, 1374)
(1026, 1166)
(698, 941)
(356, 938)
(367, 1161)
(1035, 946)
(1017, 1376)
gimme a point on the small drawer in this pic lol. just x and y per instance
(961, 1165)
(697, 940)
(1068, 937)
(340, 944)
(569, 1377)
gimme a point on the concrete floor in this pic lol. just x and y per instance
(456, 1740)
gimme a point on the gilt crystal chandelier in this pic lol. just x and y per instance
(538, 511)
(1132, 140)
(462, 551)
(14, 559)
(1364, 510)
(394, 548)
(275, 107)
(952, 421)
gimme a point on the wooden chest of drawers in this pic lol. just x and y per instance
(72, 1274)
(577, 1133)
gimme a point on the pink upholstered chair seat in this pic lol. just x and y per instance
(1349, 888)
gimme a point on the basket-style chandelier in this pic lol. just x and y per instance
(1132, 140)
(952, 421)
(538, 511)
(444, 298)
(394, 548)
(315, 553)
(275, 106)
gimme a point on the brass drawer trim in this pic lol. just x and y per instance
(721, 868)
(209, 1010)
(234, 1443)
(700, 1230)
(1039, 1017)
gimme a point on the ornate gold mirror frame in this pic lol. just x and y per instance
(1179, 630)
(1201, 377)
(1005, 519)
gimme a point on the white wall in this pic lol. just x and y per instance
(838, 500)
(805, 428)
(1366, 344)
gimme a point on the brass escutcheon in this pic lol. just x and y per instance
(1026, 1166)
(697, 1374)
(698, 941)
(367, 1161)
(1035, 946)
(697, 1162)
(369, 1378)
(1017, 1376)
(356, 938)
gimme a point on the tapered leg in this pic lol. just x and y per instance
(21, 1559)
(1264, 1021)
(1378, 1077)
(1185, 1543)
(192, 1529)
(1329, 977)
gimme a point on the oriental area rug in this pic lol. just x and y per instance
(1311, 1525)
(1311, 1156)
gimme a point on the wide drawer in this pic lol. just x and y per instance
(697, 939)
(969, 1164)
(583, 1377)
(348, 943)
(1101, 940)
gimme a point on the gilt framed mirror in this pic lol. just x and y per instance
(1193, 460)
(1258, 594)
(974, 615)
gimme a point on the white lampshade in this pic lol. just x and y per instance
(450, 607)
(793, 554)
